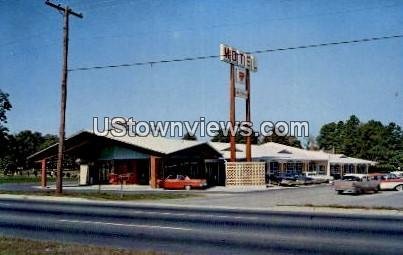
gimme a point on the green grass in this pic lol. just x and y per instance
(26, 179)
(16, 246)
(335, 206)
(107, 196)
(19, 179)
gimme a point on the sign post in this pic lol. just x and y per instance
(232, 113)
(245, 63)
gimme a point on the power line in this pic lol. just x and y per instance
(251, 52)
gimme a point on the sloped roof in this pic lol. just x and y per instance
(150, 143)
(271, 151)
(278, 151)
(158, 144)
(265, 151)
(342, 159)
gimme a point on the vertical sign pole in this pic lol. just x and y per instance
(248, 138)
(232, 112)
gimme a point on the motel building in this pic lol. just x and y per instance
(144, 160)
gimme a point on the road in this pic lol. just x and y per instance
(188, 230)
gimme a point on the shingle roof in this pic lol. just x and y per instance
(278, 151)
(158, 144)
(264, 151)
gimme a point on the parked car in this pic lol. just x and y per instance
(391, 182)
(304, 180)
(181, 182)
(320, 178)
(289, 181)
(378, 176)
(356, 184)
(398, 173)
(275, 178)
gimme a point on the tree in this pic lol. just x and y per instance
(48, 140)
(239, 138)
(189, 136)
(286, 140)
(220, 137)
(311, 144)
(5, 106)
(350, 136)
(23, 144)
(372, 140)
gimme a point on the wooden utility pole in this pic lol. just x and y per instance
(66, 13)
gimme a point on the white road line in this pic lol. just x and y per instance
(4, 204)
(125, 225)
(196, 215)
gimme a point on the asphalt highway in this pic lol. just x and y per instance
(186, 230)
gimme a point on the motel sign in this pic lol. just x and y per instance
(241, 64)
(237, 58)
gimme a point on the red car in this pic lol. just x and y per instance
(181, 182)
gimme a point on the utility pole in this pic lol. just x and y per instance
(66, 11)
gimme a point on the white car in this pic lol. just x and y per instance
(397, 173)
(391, 182)
(356, 184)
(321, 178)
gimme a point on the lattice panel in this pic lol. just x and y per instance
(245, 173)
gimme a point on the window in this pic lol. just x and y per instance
(322, 170)
(298, 166)
(274, 167)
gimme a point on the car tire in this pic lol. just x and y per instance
(188, 187)
(399, 188)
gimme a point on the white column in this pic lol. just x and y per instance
(328, 166)
(341, 170)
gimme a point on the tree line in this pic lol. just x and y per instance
(371, 140)
(15, 148)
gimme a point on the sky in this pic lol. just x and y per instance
(318, 85)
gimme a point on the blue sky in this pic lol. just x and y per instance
(318, 85)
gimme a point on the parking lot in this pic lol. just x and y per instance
(310, 195)
(318, 195)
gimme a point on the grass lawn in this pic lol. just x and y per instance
(19, 179)
(27, 179)
(16, 246)
(107, 196)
